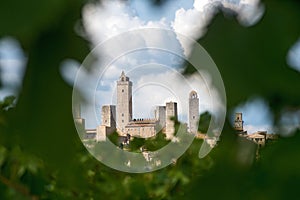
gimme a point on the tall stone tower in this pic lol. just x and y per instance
(77, 114)
(171, 112)
(124, 102)
(238, 122)
(160, 116)
(108, 116)
(108, 126)
(193, 112)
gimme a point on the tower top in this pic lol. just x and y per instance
(193, 95)
(123, 77)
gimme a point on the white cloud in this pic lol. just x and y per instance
(12, 67)
(190, 23)
(201, 4)
(293, 57)
(250, 12)
(112, 18)
(193, 22)
(68, 70)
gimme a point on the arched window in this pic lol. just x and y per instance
(193, 95)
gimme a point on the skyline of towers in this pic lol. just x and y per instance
(119, 117)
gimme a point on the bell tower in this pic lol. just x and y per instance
(124, 102)
(238, 122)
(193, 112)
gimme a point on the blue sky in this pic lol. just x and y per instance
(257, 115)
(147, 11)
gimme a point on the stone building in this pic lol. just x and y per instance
(144, 128)
(259, 137)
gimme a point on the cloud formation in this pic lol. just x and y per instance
(111, 18)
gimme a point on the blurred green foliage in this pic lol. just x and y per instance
(204, 122)
(151, 144)
(42, 157)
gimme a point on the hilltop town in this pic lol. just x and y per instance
(119, 118)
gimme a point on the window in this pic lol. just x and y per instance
(122, 90)
(105, 120)
(193, 117)
(122, 114)
(122, 120)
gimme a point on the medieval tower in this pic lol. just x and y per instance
(108, 116)
(238, 122)
(77, 113)
(171, 112)
(124, 102)
(193, 112)
(160, 116)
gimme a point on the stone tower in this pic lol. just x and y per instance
(124, 102)
(77, 114)
(238, 122)
(108, 116)
(160, 116)
(193, 112)
(171, 112)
